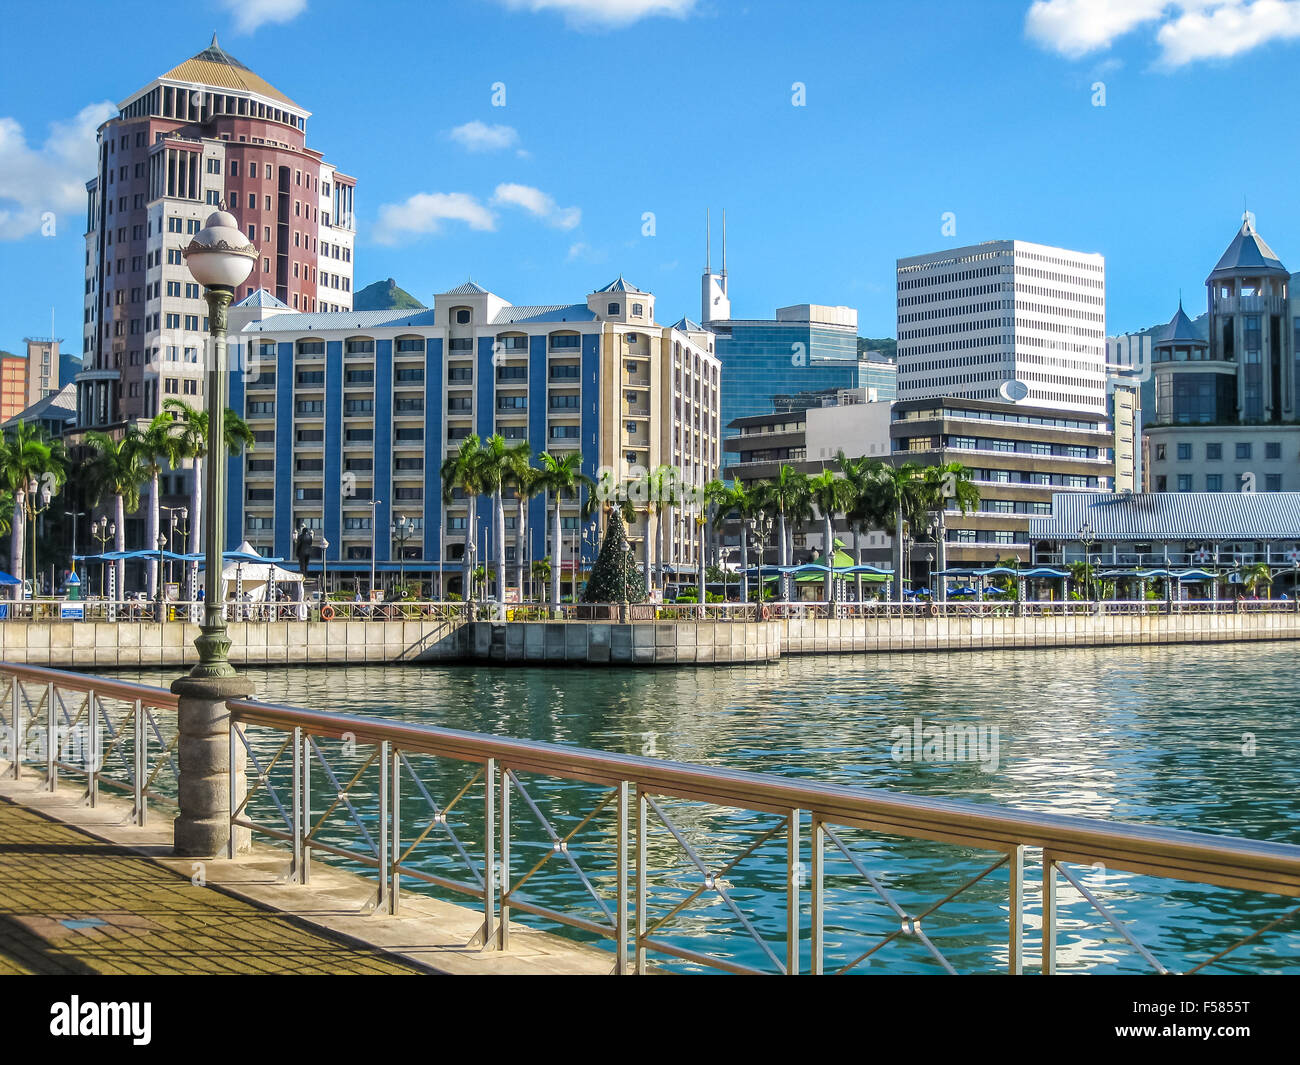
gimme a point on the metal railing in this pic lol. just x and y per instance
(96, 609)
(661, 861)
(109, 733)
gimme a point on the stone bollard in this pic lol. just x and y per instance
(202, 829)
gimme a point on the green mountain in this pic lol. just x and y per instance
(385, 296)
(887, 346)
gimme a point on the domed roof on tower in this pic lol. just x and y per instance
(1247, 254)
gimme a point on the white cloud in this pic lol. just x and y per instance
(606, 13)
(1076, 27)
(1188, 30)
(479, 137)
(538, 204)
(251, 14)
(1227, 30)
(50, 178)
(425, 212)
(586, 253)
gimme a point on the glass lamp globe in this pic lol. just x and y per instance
(220, 255)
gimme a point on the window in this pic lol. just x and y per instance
(1184, 482)
(309, 465)
(360, 377)
(462, 317)
(1214, 482)
(1160, 452)
(512, 402)
(311, 377)
(1185, 455)
(311, 347)
(1162, 483)
(410, 344)
(310, 436)
(1272, 449)
(564, 373)
(1243, 450)
(1213, 452)
(613, 308)
(513, 343)
(564, 432)
(408, 463)
(358, 406)
(353, 436)
(411, 374)
(1272, 482)
(413, 433)
(413, 405)
(310, 406)
(266, 406)
(461, 344)
(564, 341)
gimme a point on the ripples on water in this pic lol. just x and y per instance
(1157, 735)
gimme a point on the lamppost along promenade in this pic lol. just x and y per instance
(1087, 540)
(220, 258)
(37, 509)
(103, 530)
(403, 528)
(374, 513)
(74, 515)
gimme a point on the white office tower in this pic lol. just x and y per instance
(715, 305)
(1004, 320)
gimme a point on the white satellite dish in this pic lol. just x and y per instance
(1013, 391)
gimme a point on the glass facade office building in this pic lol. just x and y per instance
(764, 359)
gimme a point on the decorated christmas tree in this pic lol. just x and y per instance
(615, 576)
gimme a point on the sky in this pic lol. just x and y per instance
(543, 147)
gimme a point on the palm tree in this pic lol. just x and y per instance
(496, 461)
(868, 509)
(560, 476)
(902, 490)
(523, 478)
(541, 569)
(190, 427)
(742, 502)
(787, 498)
(461, 471)
(159, 448)
(944, 487)
(1256, 576)
(833, 495)
(116, 470)
(27, 455)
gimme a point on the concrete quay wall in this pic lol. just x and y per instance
(733, 643)
(132, 644)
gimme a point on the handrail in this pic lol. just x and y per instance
(809, 817)
(1137, 848)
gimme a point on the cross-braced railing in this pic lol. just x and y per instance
(111, 734)
(686, 866)
(715, 868)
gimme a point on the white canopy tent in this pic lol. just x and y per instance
(253, 580)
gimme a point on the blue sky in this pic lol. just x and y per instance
(615, 108)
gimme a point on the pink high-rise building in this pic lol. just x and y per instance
(208, 131)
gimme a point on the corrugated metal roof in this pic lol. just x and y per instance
(216, 67)
(1172, 516)
(542, 312)
(619, 285)
(332, 321)
(262, 298)
(469, 288)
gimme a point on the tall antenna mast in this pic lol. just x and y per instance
(708, 260)
(724, 242)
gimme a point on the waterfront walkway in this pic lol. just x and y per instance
(83, 891)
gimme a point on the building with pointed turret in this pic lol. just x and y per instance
(1226, 399)
(354, 413)
(206, 132)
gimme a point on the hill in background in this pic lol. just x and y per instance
(385, 296)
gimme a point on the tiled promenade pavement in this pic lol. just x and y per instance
(71, 903)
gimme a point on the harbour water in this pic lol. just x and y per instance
(1197, 737)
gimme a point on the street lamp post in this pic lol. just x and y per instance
(74, 515)
(374, 513)
(402, 529)
(210, 765)
(324, 578)
(178, 519)
(103, 530)
(37, 509)
(158, 598)
(1087, 540)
